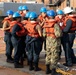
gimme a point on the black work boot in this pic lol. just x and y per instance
(48, 71)
(53, 72)
(36, 67)
(10, 60)
(69, 65)
(31, 66)
(74, 60)
(18, 65)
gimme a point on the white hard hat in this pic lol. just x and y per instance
(67, 10)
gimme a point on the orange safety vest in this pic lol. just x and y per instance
(22, 32)
(73, 18)
(31, 29)
(49, 28)
(60, 22)
(12, 25)
(8, 20)
(24, 22)
(41, 18)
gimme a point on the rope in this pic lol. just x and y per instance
(63, 72)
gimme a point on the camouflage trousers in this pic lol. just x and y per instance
(52, 51)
